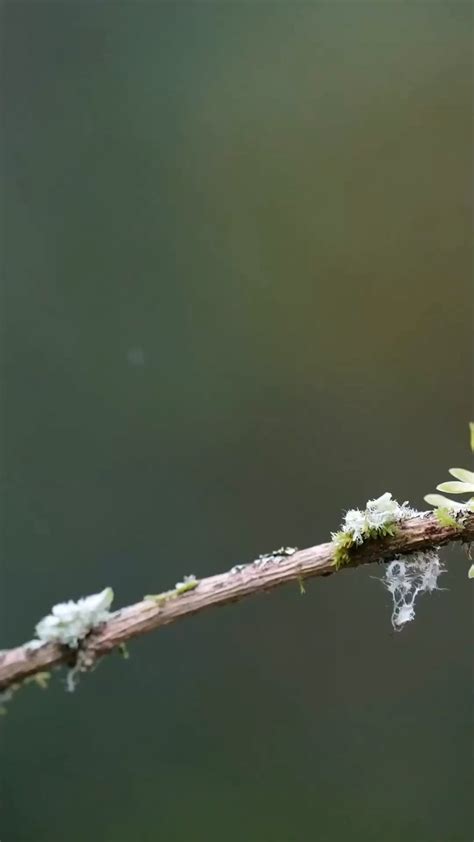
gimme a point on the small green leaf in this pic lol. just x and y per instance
(444, 502)
(471, 572)
(188, 584)
(456, 487)
(462, 474)
(160, 598)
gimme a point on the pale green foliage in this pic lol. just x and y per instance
(188, 584)
(440, 501)
(464, 485)
(448, 510)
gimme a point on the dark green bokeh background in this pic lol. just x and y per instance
(237, 300)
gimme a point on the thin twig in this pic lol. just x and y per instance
(419, 533)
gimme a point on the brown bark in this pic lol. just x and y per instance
(419, 533)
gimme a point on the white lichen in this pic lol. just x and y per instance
(406, 578)
(237, 568)
(378, 517)
(274, 557)
(70, 622)
(355, 524)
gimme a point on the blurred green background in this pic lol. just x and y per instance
(236, 301)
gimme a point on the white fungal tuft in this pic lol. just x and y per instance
(69, 622)
(378, 516)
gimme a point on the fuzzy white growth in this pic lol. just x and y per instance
(378, 516)
(408, 576)
(69, 622)
(355, 524)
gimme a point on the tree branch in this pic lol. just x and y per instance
(419, 533)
